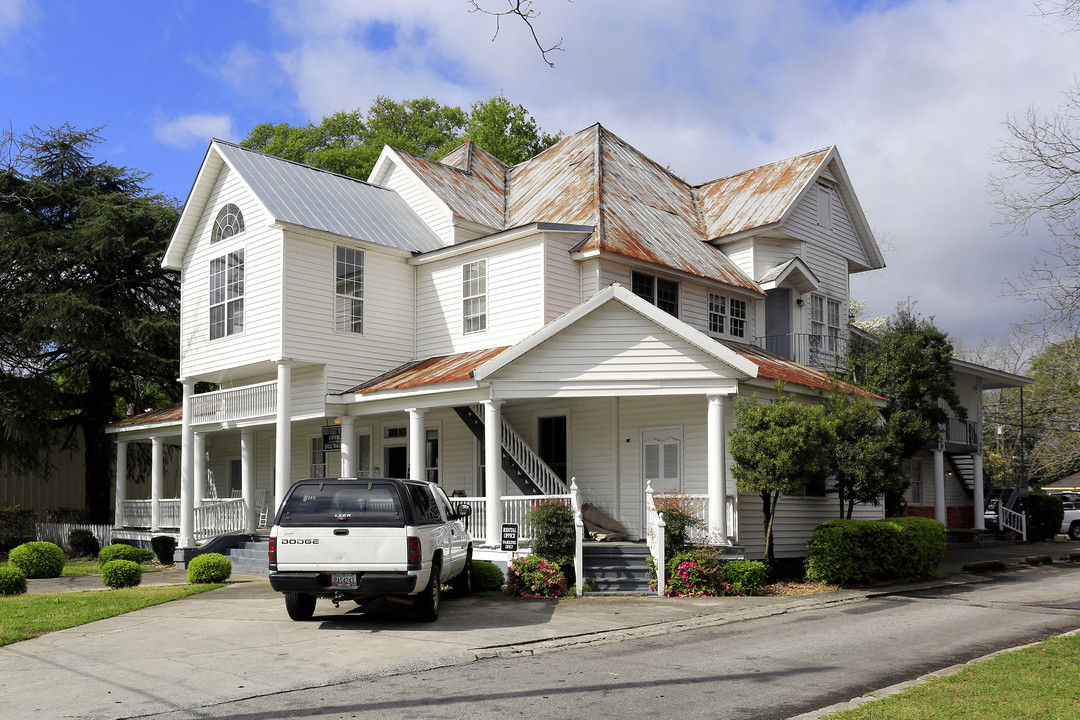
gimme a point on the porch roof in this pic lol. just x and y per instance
(776, 367)
(429, 371)
(165, 415)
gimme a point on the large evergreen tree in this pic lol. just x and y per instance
(88, 317)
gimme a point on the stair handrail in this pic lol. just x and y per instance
(535, 468)
(579, 536)
(1013, 520)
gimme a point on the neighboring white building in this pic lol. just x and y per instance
(586, 310)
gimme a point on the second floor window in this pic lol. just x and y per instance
(474, 296)
(349, 290)
(662, 293)
(727, 316)
(227, 295)
(825, 321)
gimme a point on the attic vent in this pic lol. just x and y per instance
(230, 221)
(824, 205)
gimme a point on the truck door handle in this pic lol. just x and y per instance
(341, 531)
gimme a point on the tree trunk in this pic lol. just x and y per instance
(850, 508)
(768, 513)
(97, 447)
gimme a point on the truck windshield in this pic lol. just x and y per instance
(361, 503)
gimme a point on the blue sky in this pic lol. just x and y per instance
(912, 92)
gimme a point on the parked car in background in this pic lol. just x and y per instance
(1070, 499)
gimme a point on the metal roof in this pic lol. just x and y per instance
(470, 180)
(777, 367)
(430, 371)
(302, 195)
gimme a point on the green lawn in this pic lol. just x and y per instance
(1036, 682)
(27, 616)
(87, 566)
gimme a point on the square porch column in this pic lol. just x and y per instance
(121, 482)
(157, 483)
(493, 485)
(348, 449)
(940, 509)
(199, 464)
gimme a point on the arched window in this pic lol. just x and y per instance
(229, 222)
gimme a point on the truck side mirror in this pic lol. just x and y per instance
(464, 510)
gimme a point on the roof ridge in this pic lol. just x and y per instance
(295, 162)
(598, 170)
(825, 149)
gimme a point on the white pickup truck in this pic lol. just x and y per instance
(364, 538)
(1070, 524)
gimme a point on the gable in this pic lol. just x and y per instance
(822, 216)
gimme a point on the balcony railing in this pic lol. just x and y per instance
(826, 352)
(959, 432)
(242, 403)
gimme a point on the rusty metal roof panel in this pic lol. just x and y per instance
(470, 180)
(758, 197)
(430, 371)
(558, 185)
(173, 413)
(777, 367)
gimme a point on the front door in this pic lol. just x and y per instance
(397, 461)
(661, 458)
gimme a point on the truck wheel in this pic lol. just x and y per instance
(301, 606)
(462, 584)
(1074, 530)
(427, 604)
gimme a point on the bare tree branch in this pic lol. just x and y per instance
(1067, 11)
(524, 10)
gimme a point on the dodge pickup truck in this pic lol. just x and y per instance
(365, 538)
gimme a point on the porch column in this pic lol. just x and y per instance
(187, 476)
(416, 444)
(199, 463)
(980, 500)
(493, 485)
(157, 481)
(121, 482)
(348, 442)
(247, 477)
(940, 512)
(283, 430)
(717, 481)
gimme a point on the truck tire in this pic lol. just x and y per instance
(1074, 530)
(427, 604)
(301, 606)
(462, 584)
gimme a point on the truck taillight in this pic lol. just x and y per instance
(415, 554)
(273, 550)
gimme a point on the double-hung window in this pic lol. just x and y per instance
(474, 296)
(227, 295)
(825, 322)
(349, 290)
(727, 316)
(662, 293)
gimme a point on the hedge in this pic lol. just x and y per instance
(38, 559)
(863, 552)
(123, 551)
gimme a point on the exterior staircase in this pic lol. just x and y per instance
(250, 557)
(616, 568)
(526, 470)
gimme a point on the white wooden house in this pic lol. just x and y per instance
(586, 313)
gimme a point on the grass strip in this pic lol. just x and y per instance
(1035, 682)
(88, 566)
(27, 616)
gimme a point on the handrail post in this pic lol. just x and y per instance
(579, 536)
(661, 564)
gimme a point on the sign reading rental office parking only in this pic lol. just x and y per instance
(510, 536)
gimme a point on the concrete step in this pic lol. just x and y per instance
(249, 558)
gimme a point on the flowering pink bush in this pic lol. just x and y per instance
(534, 577)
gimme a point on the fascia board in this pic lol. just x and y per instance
(173, 259)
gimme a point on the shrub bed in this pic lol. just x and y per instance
(83, 543)
(703, 572)
(12, 581)
(209, 568)
(121, 574)
(534, 577)
(863, 552)
(123, 551)
(38, 559)
(487, 576)
(1045, 515)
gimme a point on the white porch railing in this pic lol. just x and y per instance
(1012, 520)
(698, 505)
(515, 508)
(239, 403)
(544, 477)
(215, 517)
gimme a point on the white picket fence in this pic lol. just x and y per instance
(57, 533)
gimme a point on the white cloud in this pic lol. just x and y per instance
(189, 130)
(13, 13)
(913, 93)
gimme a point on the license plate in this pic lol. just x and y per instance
(343, 581)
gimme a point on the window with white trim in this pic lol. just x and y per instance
(660, 292)
(916, 482)
(227, 295)
(825, 322)
(363, 455)
(349, 290)
(431, 454)
(727, 316)
(318, 458)
(229, 222)
(474, 296)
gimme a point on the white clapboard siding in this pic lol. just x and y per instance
(309, 330)
(515, 299)
(831, 270)
(260, 338)
(741, 252)
(562, 277)
(770, 252)
(841, 238)
(589, 274)
(796, 518)
(434, 216)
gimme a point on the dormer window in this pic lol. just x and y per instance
(662, 293)
(230, 221)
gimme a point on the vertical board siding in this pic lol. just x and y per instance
(309, 331)
(421, 203)
(515, 299)
(261, 337)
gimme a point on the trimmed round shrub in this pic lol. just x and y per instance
(163, 547)
(121, 574)
(209, 568)
(534, 577)
(38, 559)
(83, 543)
(122, 551)
(12, 581)
(486, 576)
(746, 576)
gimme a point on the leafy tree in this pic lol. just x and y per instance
(88, 317)
(1053, 412)
(865, 459)
(908, 363)
(350, 142)
(779, 447)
